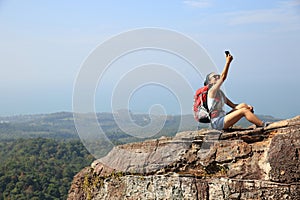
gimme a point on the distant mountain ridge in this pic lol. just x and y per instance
(61, 125)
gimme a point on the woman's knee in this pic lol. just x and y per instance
(243, 105)
(244, 110)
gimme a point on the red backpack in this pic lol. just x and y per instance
(201, 112)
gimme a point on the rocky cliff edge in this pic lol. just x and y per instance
(205, 164)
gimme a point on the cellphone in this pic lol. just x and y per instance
(227, 53)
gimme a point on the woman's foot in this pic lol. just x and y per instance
(264, 125)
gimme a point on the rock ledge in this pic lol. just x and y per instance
(205, 164)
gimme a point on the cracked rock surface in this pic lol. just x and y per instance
(205, 164)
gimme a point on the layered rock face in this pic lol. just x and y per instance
(206, 164)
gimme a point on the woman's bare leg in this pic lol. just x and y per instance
(240, 106)
(233, 117)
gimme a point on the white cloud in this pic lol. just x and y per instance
(198, 3)
(292, 3)
(254, 16)
(284, 15)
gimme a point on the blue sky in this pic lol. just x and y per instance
(44, 43)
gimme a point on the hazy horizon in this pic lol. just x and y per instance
(131, 111)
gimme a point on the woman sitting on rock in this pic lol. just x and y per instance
(216, 100)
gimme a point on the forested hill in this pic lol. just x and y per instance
(56, 125)
(39, 168)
